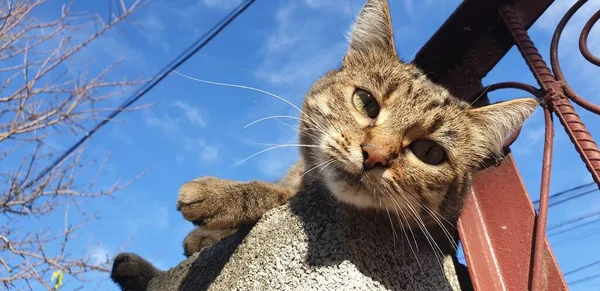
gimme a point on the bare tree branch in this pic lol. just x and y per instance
(43, 96)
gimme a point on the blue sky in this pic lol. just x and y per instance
(195, 129)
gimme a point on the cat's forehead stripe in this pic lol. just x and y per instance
(391, 88)
(438, 122)
(451, 134)
(442, 102)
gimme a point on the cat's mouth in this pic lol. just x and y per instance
(359, 188)
(354, 175)
(347, 176)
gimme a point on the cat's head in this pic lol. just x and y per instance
(381, 135)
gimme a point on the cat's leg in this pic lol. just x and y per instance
(224, 204)
(131, 272)
(201, 238)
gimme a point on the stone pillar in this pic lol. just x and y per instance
(313, 243)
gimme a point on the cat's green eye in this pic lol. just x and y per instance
(365, 102)
(428, 151)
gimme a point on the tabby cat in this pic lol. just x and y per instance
(387, 135)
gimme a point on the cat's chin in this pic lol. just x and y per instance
(351, 190)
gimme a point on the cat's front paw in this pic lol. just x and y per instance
(131, 272)
(209, 202)
(200, 238)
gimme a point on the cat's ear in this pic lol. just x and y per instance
(372, 33)
(497, 121)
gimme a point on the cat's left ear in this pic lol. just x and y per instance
(497, 121)
(372, 35)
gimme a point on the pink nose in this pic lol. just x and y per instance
(372, 157)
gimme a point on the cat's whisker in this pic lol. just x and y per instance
(330, 168)
(475, 100)
(318, 128)
(390, 218)
(306, 133)
(440, 216)
(407, 223)
(277, 117)
(271, 117)
(444, 229)
(318, 165)
(395, 237)
(248, 88)
(240, 87)
(278, 144)
(280, 121)
(271, 148)
(398, 211)
(436, 250)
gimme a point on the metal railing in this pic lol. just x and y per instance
(498, 209)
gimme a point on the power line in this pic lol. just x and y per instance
(554, 203)
(575, 220)
(581, 268)
(574, 227)
(178, 61)
(584, 279)
(569, 191)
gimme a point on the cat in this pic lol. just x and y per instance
(388, 137)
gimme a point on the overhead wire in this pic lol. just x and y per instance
(584, 279)
(177, 62)
(569, 191)
(581, 268)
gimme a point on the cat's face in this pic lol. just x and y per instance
(390, 138)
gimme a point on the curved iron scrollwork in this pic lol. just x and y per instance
(583, 48)
(555, 90)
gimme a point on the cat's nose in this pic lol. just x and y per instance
(372, 157)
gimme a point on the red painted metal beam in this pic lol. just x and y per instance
(497, 233)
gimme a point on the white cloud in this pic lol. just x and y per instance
(192, 114)
(118, 134)
(275, 163)
(166, 124)
(153, 29)
(207, 152)
(161, 215)
(171, 125)
(100, 255)
(282, 38)
(221, 4)
(147, 215)
(187, 139)
(153, 22)
(296, 51)
(409, 7)
(535, 135)
(302, 66)
(343, 6)
(555, 12)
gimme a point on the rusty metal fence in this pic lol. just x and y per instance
(504, 239)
